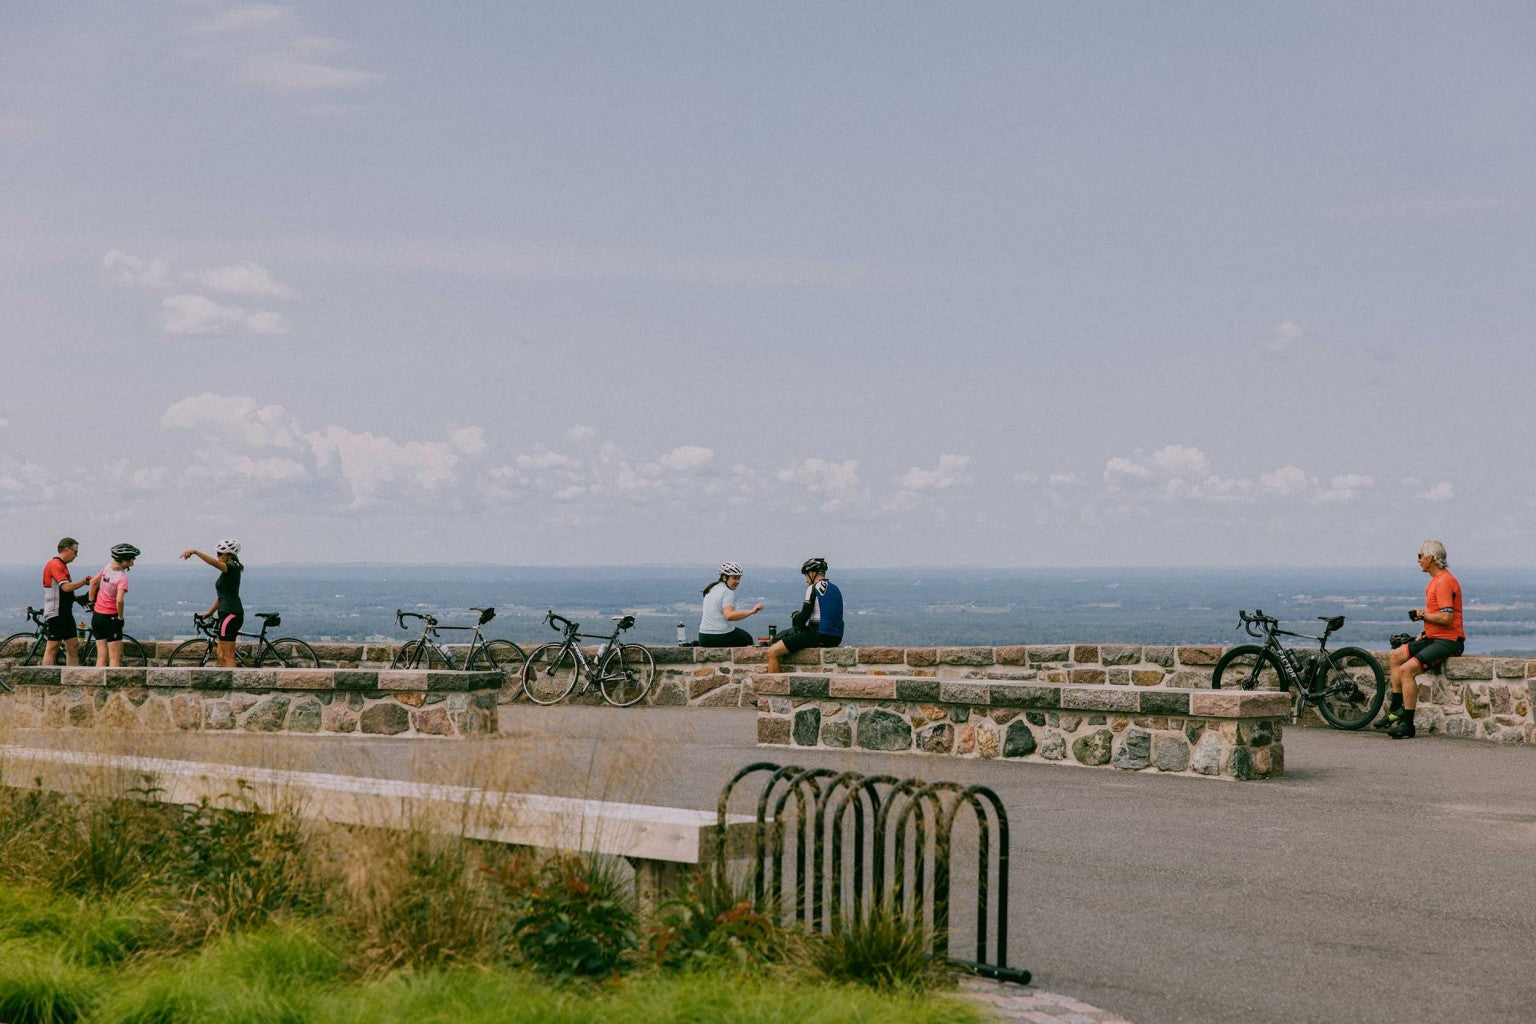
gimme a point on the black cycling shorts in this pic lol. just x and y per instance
(229, 627)
(60, 627)
(1431, 652)
(108, 628)
(802, 638)
(735, 638)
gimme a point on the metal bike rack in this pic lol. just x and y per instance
(893, 855)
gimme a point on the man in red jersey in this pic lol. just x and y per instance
(59, 604)
(1443, 638)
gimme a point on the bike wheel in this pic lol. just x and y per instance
(506, 657)
(408, 656)
(627, 676)
(549, 675)
(288, 652)
(134, 655)
(1348, 691)
(1249, 667)
(22, 649)
(192, 654)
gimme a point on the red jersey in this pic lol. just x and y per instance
(1443, 594)
(55, 601)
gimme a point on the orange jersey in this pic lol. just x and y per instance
(1443, 594)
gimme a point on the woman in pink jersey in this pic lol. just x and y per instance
(109, 596)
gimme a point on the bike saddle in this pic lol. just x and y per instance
(624, 621)
(271, 617)
(486, 614)
(1334, 624)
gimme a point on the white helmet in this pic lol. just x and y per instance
(730, 569)
(227, 547)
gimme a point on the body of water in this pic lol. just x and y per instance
(917, 607)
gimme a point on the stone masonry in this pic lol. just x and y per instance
(339, 701)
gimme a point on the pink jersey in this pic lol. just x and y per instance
(113, 583)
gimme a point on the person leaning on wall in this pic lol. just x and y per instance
(720, 610)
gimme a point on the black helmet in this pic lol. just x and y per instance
(124, 552)
(813, 565)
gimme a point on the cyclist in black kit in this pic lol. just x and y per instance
(226, 559)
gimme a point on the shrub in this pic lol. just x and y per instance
(712, 920)
(884, 949)
(44, 990)
(574, 917)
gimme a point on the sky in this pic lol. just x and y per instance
(958, 284)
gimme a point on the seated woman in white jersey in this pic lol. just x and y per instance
(715, 629)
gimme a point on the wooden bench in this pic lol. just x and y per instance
(660, 843)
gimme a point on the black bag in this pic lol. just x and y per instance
(1397, 640)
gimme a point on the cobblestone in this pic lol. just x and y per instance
(1025, 1004)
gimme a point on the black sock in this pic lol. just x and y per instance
(1408, 715)
(1397, 702)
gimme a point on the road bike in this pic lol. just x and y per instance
(623, 672)
(284, 652)
(1346, 686)
(483, 655)
(28, 648)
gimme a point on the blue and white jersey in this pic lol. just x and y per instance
(826, 603)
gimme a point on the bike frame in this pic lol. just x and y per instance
(590, 671)
(429, 633)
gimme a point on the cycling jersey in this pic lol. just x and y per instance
(55, 601)
(1443, 594)
(111, 584)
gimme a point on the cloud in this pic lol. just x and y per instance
(1283, 339)
(136, 272)
(241, 279)
(950, 472)
(687, 458)
(290, 71)
(1442, 491)
(1182, 473)
(267, 47)
(197, 315)
(249, 17)
(236, 418)
(836, 484)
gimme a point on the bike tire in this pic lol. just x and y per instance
(408, 656)
(191, 654)
(506, 657)
(627, 675)
(1244, 668)
(134, 655)
(1350, 690)
(22, 649)
(549, 674)
(288, 652)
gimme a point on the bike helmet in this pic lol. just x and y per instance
(227, 547)
(813, 565)
(124, 552)
(730, 569)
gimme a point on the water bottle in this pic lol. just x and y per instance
(773, 632)
(682, 634)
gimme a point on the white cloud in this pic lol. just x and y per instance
(235, 418)
(687, 458)
(197, 315)
(950, 472)
(249, 17)
(468, 440)
(292, 71)
(1344, 488)
(1283, 338)
(1287, 480)
(580, 432)
(241, 279)
(137, 272)
(1442, 491)
(1184, 473)
(835, 483)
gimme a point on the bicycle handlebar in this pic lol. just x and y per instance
(560, 622)
(401, 616)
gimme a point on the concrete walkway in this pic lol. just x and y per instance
(1158, 899)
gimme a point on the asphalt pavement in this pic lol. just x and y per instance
(1378, 881)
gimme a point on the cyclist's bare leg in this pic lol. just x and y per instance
(1405, 673)
(50, 651)
(114, 654)
(226, 654)
(775, 652)
(71, 652)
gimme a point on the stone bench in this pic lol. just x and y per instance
(273, 700)
(1224, 733)
(660, 843)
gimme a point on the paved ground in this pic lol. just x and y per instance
(1158, 899)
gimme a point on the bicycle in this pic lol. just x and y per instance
(27, 648)
(623, 673)
(284, 652)
(1346, 686)
(483, 655)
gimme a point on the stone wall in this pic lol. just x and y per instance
(1235, 735)
(339, 701)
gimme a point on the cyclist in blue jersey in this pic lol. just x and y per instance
(819, 622)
